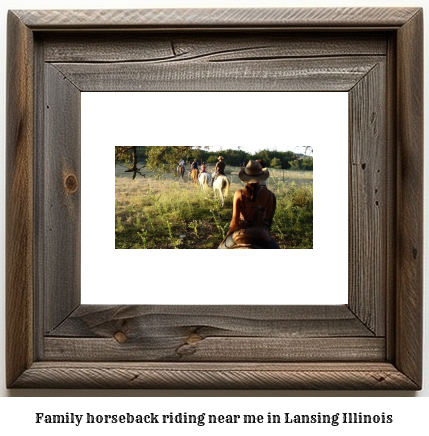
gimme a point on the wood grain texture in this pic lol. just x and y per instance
(341, 376)
(213, 333)
(19, 200)
(207, 18)
(227, 46)
(368, 202)
(153, 347)
(409, 276)
(39, 201)
(332, 74)
(61, 208)
(391, 191)
(98, 321)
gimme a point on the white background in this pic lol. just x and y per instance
(18, 413)
(257, 120)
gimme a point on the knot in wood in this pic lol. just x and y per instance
(71, 183)
(120, 337)
(193, 338)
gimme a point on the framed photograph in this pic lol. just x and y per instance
(257, 339)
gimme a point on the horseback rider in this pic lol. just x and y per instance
(219, 169)
(253, 212)
(194, 171)
(204, 167)
(181, 164)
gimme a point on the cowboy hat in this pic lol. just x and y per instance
(220, 158)
(253, 173)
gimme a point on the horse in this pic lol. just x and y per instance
(205, 180)
(221, 185)
(194, 175)
(181, 171)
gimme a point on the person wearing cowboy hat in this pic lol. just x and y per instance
(264, 166)
(219, 169)
(253, 211)
(220, 166)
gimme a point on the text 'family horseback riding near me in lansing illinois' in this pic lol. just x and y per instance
(202, 419)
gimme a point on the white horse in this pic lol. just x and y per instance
(221, 185)
(204, 179)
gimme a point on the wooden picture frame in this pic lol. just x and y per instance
(373, 342)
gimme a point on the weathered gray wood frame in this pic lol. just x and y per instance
(374, 342)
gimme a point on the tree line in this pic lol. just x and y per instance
(165, 159)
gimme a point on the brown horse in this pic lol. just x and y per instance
(194, 175)
(181, 171)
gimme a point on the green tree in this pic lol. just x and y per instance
(166, 159)
(296, 164)
(286, 157)
(266, 155)
(276, 163)
(129, 157)
(307, 164)
(156, 158)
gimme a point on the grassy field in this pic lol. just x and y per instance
(168, 213)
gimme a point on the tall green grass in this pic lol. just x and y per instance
(293, 221)
(170, 214)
